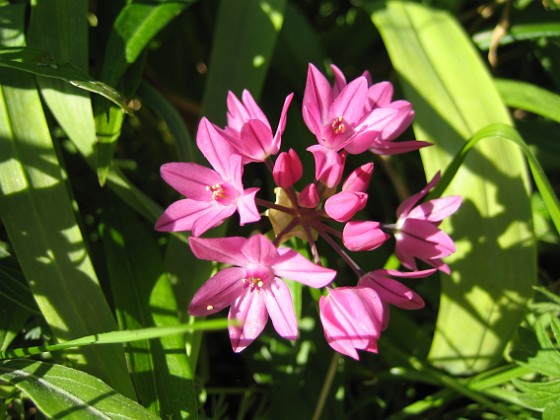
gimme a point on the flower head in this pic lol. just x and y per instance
(253, 287)
(417, 234)
(212, 194)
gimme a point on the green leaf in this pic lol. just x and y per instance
(134, 28)
(529, 97)
(62, 392)
(38, 215)
(118, 337)
(495, 265)
(143, 297)
(42, 63)
(519, 32)
(244, 40)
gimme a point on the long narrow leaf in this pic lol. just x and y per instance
(495, 265)
(37, 213)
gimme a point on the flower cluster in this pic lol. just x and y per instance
(346, 118)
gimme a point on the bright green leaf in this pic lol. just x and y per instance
(62, 392)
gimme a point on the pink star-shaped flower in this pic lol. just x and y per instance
(212, 194)
(253, 286)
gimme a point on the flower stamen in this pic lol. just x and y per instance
(337, 126)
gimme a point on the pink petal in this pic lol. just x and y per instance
(363, 236)
(181, 215)
(329, 165)
(393, 292)
(258, 249)
(215, 148)
(358, 180)
(424, 240)
(309, 196)
(397, 147)
(247, 208)
(190, 179)
(317, 98)
(405, 207)
(402, 119)
(282, 123)
(294, 266)
(219, 292)
(349, 104)
(253, 108)
(256, 142)
(335, 334)
(345, 204)
(280, 307)
(361, 141)
(436, 210)
(250, 310)
(212, 218)
(339, 80)
(380, 94)
(224, 250)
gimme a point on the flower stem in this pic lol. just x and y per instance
(270, 205)
(327, 384)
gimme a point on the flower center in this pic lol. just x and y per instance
(253, 283)
(338, 126)
(222, 193)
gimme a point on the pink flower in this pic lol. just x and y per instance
(340, 120)
(253, 286)
(363, 235)
(393, 292)
(344, 205)
(213, 194)
(352, 319)
(287, 169)
(380, 95)
(417, 234)
(249, 131)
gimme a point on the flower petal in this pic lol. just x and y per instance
(317, 98)
(280, 307)
(215, 216)
(329, 164)
(190, 179)
(181, 215)
(215, 148)
(258, 249)
(250, 310)
(224, 250)
(358, 180)
(392, 291)
(405, 207)
(292, 265)
(436, 210)
(256, 141)
(219, 292)
(424, 240)
(247, 208)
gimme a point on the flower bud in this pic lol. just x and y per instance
(309, 196)
(287, 169)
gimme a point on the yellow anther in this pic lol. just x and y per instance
(209, 307)
(338, 126)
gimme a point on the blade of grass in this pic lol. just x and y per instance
(529, 97)
(119, 337)
(495, 265)
(37, 213)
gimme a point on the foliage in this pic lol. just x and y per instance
(95, 96)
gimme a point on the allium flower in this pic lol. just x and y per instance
(212, 194)
(352, 319)
(253, 286)
(380, 95)
(392, 292)
(287, 169)
(249, 131)
(417, 234)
